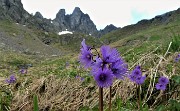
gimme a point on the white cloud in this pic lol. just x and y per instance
(104, 12)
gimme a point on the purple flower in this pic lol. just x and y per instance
(160, 86)
(82, 78)
(86, 58)
(98, 63)
(109, 55)
(136, 76)
(107, 65)
(137, 72)
(77, 76)
(12, 79)
(177, 58)
(23, 71)
(103, 78)
(163, 80)
(119, 69)
(178, 55)
(140, 80)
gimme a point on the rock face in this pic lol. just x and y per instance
(77, 21)
(38, 15)
(13, 9)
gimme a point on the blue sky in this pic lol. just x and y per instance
(105, 12)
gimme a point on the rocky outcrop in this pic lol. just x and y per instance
(38, 15)
(13, 9)
(107, 29)
(77, 21)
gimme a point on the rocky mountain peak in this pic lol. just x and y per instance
(77, 21)
(110, 27)
(75, 17)
(77, 11)
(38, 15)
(61, 13)
(107, 29)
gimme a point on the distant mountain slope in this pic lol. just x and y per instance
(160, 20)
(147, 36)
(20, 39)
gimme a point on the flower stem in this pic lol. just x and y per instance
(100, 99)
(110, 91)
(140, 102)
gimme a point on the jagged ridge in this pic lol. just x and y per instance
(77, 21)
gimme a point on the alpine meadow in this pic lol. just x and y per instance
(67, 64)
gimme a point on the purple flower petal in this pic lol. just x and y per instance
(103, 78)
(98, 63)
(136, 72)
(140, 80)
(163, 80)
(86, 58)
(82, 79)
(23, 71)
(84, 46)
(132, 77)
(109, 55)
(177, 58)
(119, 69)
(105, 51)
(160, 86)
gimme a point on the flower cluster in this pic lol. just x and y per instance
(162, 82)
(136, 76)
(177, 58)
(12, 79)
(104, 65)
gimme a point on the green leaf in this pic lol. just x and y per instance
(174, 105)
(176, 78)
(35, 101)
(160, 108)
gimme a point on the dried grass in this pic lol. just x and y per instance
(69, 94)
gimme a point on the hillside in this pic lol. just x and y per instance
(169, 19)
(22, 39)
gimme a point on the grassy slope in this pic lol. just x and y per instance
(143, 41)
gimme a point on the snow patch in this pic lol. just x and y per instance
(64, 32)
